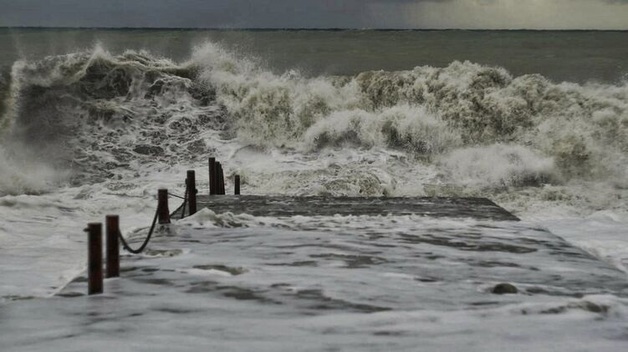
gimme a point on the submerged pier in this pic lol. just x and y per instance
(358, 273)
(286, 206)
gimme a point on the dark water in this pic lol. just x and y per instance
(575, 56)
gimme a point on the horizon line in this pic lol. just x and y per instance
(330, 29)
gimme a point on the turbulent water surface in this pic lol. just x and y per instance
(93, 122)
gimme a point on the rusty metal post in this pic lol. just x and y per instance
(94, 258)
(113, 245)
(191, 188)
(236, 186)
(222, 181)
(220, 178)
(212, 176)
(162, 206)
(218, 168)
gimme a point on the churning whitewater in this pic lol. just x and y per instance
(92, 132)
(92, 117)
(98, 131)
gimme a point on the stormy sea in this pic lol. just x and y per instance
(93, 122)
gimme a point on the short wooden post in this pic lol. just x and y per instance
(162, 206)
(94, 258)
(236, 182)
(191, 188)
(212, 176)
(113, 245)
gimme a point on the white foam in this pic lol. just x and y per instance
(533, 146)
(499, 166)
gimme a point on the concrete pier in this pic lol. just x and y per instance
(286, 206)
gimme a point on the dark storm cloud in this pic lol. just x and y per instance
(317, 13)
(180, 13)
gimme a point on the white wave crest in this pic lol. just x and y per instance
(498, 166)
(404, 127)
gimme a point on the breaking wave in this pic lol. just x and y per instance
(94, 116)
(429, 111)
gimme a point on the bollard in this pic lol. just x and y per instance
(221, 179)
(94, 258)
(212, 176)
(113, 245)
(217, 173)
(162, 206)
(191, 188)
(236, 186)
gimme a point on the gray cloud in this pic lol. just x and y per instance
(181, 13)
(318, 13)
(532, 14)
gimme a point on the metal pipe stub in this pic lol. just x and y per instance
(236, 185)
(213, 185)
(94, 259)
(191, 189)
(162, 206)
(113, 245)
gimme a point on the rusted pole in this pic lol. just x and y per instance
(221, 178)
(191, 188)
(94, 258)
(212, 176)
(162, 206)
(236, 186)
(113, 245)
(217, 170)
(222, 181)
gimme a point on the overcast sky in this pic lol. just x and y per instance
(473, 14)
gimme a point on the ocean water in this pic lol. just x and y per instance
(94, 122)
